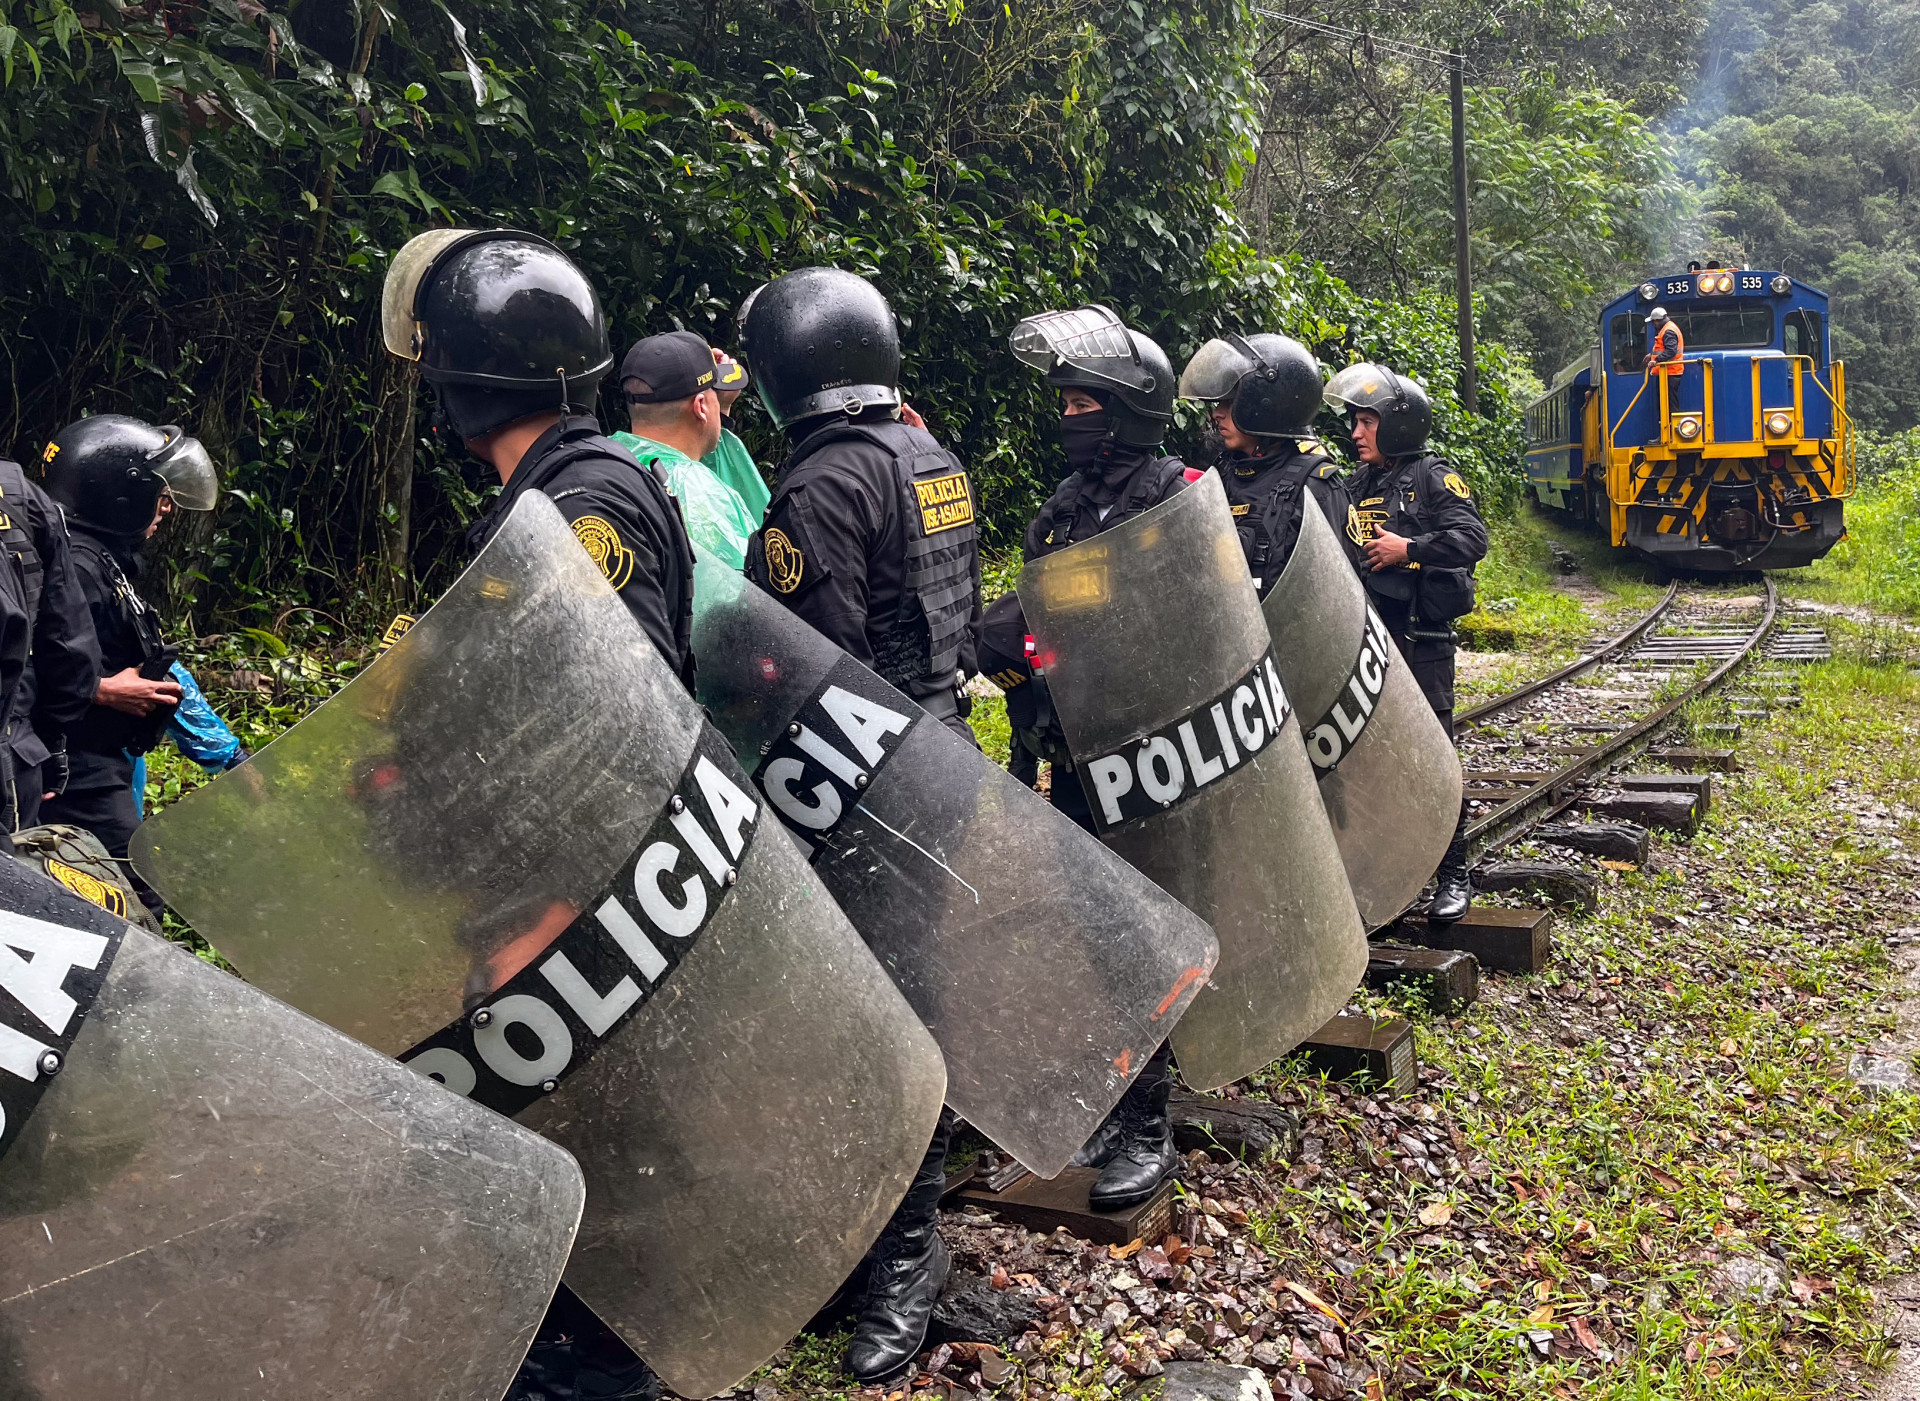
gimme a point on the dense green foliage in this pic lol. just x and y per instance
(1572, 186)
(1805, 143)
(202, 201)
(1878, 564)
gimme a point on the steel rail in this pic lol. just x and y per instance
(1566, 673)
(1513, 817)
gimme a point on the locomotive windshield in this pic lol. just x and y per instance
(1739, 325)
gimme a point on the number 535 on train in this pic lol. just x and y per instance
(1738, 455)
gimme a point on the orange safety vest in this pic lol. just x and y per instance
(1669, 350)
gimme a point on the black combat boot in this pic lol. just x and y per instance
(1145, 1154)
(1098, 1151)
(907, 1268)
(1455, 892)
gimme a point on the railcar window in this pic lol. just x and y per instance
(1742, 325)
(1547, 421)
(1802, 333)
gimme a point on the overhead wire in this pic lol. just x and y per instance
(1404, 48)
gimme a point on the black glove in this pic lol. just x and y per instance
(57, 770)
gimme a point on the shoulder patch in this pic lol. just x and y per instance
(1327, 469)
(786, 566)
(604, 547)
(1242, 508)
(1456, 486)
(87, 887)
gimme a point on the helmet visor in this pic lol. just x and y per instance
(398, 297)
(188, 472)
(1361, 387)
(1214, 373)
(1091, 339)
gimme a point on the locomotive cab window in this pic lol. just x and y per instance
(1802, 332)
(1741, 325)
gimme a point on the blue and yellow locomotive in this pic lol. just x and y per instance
(1736, 456)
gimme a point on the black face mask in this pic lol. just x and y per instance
(1083, 435)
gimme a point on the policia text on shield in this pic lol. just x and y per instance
(649, 941)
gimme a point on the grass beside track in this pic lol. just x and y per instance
(1643, 1174)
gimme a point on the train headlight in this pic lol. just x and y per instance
(1648, 291)
(1781, 284)
(1779, 424)
(1686, 428)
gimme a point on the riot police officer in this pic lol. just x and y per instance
(1265, 392)
(511, 335)
(116, 478)
(1116, 403)
(58, 686)
(870, 537)
(1420, 536)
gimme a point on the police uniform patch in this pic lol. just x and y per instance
(785, 564)
(604, 547)
(1459, 488)
(1243, 508)
(90, 888)
(945, 503)
(401, 625)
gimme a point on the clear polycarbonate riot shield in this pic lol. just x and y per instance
(204, 1192)
(1157, 657)
(512, 853)
(1388, 774)
(1047, 970)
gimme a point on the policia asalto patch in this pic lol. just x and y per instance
(521, 1040)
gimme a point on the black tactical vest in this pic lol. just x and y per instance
(1153, 482)
(17, 539)
(1274, 519)
(937, 509)
(105, 728)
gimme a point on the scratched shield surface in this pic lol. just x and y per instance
(1152, 626)
(440, 832)
(1388, 773)
(217, 1195)
(1047, 968)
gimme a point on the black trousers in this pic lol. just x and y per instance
(107, 811)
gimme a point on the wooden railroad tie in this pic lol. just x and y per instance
(1447, 978)
(1501, 940)
(1352, 1047)
(1044, 1204)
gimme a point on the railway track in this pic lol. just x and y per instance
(1552, 745)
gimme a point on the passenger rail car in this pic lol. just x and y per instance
(1739, 460)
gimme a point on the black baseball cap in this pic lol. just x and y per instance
(674, 365)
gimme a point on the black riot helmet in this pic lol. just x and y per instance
(501, 323)
(821, 341)
(109, 471)
(1406, 414)
(1272, 383)
(1088, 348)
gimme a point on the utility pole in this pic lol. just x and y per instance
(1462, 247)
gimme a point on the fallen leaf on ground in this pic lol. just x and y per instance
(1127, 1251)
(1540, 1317)
(1666, 1181)
(1585, 1335)
(1619, 865)
(1313, 1301)
(1436, 1213)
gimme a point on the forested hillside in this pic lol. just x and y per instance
(1803, 139)
(202, 200)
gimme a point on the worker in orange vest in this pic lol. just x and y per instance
(1666, 347)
